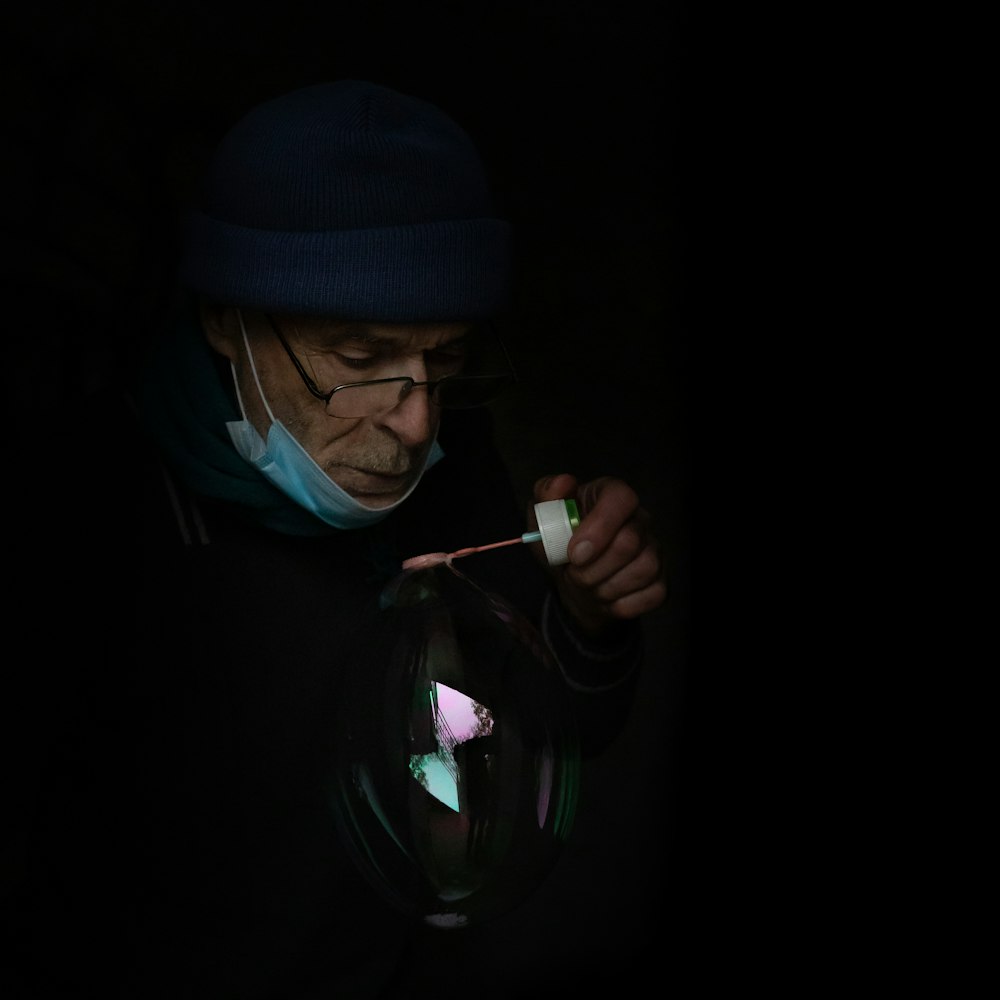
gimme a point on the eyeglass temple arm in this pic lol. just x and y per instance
(506, 353)
(306, 377)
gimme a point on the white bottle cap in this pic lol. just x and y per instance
(557, 520)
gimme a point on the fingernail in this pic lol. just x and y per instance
(582, 551)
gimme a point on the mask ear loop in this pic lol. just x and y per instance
(253, 368)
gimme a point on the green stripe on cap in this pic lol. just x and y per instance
(573, 514)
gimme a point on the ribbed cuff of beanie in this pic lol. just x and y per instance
(437, 271)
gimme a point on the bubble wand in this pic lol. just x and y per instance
(557, 520)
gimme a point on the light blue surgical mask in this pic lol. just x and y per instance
(286, 464)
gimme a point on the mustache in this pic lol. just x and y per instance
(392, 461)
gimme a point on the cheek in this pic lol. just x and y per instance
(308, 422)
(282, 404)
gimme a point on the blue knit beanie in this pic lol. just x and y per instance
(349, 199)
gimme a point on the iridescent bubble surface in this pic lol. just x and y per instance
(458, 767)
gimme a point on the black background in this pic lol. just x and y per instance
(581, 112)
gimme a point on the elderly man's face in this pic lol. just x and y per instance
(375, 457)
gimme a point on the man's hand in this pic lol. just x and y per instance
(614, 570)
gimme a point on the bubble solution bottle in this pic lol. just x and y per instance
(458, 758)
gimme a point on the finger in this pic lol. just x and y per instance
(623, 545)
(556, 487)
(639, 602)
(636, 574)
(606, 505)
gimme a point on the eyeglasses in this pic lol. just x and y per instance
(352, 400)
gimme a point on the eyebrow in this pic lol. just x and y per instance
(364, 335)
(355, 332)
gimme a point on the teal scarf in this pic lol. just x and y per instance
(185, 407)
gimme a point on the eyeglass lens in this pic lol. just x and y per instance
(457, 392)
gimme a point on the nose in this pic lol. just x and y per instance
(413, 419)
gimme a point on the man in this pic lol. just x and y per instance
(315, 417)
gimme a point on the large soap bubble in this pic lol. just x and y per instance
(459, 762)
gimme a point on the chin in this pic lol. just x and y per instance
(376, 491)
(378, 501)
